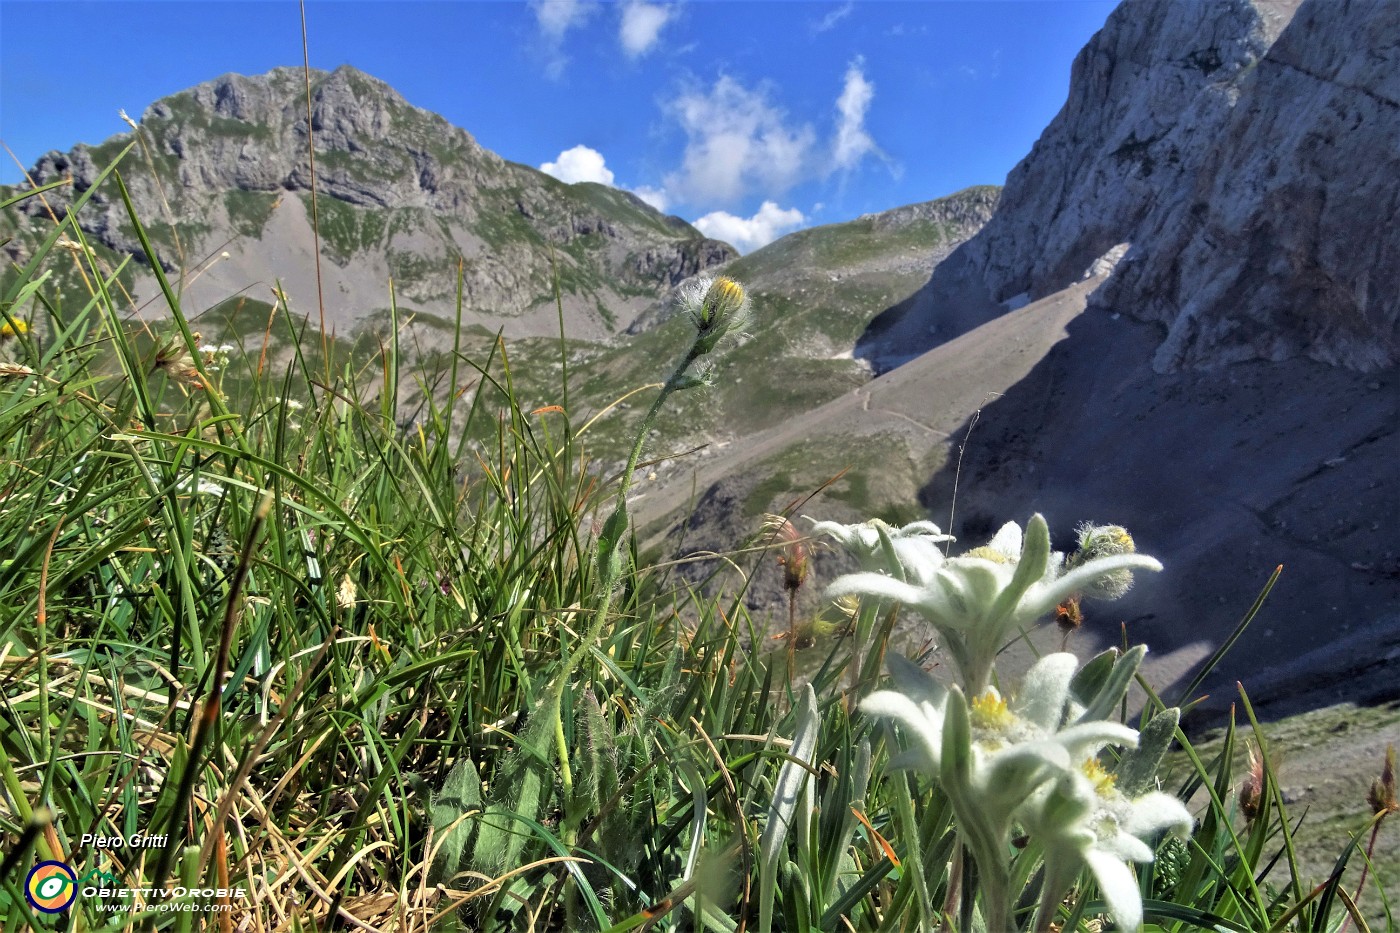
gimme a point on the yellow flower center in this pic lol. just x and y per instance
(989, 712)
(987, 552)
(1103, 780)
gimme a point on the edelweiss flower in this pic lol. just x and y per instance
(1015, 745)
(911, 549)
(980, 599)
(1082, 820)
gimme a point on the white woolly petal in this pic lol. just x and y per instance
(874, 584)
(916, 683)
(858, 538)
(924, 529)
(1088, 737)
(1043, 597)
(982, 580)
(1044, 690)
(1153, 812)
(922, 722)
(1126, 848)
(1119, 888)
(1012, 773)
(920, 558)
(1007, 540)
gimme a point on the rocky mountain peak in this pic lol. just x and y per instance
(403, 194)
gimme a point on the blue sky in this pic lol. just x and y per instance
(750, 119)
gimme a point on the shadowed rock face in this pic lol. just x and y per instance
(1223, 474)
(1245, 151)
(402, 193)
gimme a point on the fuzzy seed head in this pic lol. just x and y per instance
(1252, 791)
(1068, 616)
(347, 594)
(1382, 796)
(723, 299)
(1097, 541)
(795, 557)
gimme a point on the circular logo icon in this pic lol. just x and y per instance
(51, 887)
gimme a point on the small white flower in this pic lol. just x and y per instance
(990, 756)
(914, 547)
(1083, 820)
(981, 599)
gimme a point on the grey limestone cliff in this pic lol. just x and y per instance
(1241, 154)
(1285, 242)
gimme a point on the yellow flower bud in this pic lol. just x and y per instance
(723, 299)
(717, 308)
(14, 328)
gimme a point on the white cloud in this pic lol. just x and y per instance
(656, 197)
(829, 21)
(746, 234)
(853, 142)
(738, 142)
(579, 164)
(556, 17)
(584, 164)
(640, 26)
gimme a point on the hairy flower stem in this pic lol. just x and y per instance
(610, 570)
(792, 634)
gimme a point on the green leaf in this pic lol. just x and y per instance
(460, 796)
(787, 792)
(1115, 686)
(1137, 772)
(519, 793)
(1035, 559)
(1092, 676)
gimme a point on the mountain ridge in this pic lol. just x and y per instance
(401, 193)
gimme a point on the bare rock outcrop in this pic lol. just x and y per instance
(1286, 243)
(1245, 149)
